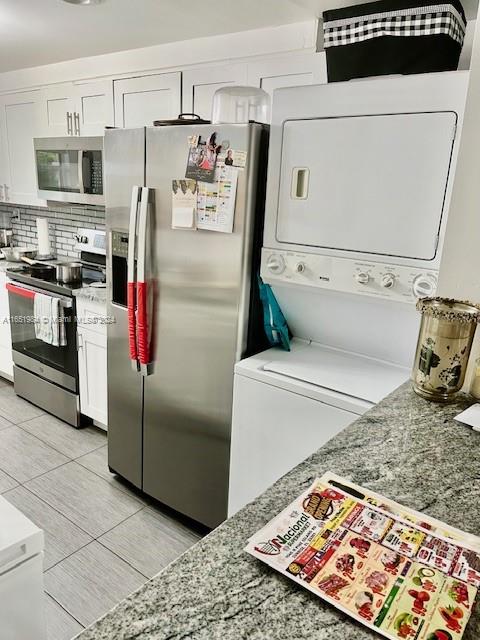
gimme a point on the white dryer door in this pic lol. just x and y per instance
(370, 184)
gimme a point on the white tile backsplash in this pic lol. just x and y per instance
(63, 223)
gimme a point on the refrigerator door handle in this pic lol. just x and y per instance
(144, 292)
(132, 281)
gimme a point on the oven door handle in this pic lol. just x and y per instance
(20, 291)
(132, 279)
(144, 286)
(30, 292)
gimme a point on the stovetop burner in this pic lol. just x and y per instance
(28, 276)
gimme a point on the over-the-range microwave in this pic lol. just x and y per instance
(70, 169)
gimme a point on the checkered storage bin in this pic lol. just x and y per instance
(392, 37)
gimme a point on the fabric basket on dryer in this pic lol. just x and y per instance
(393, 37)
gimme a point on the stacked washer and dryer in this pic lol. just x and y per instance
(359, 182)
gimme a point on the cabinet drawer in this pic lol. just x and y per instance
(91, 315)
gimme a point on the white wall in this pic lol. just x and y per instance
(176, 55)
(466, 55)
(460, 266)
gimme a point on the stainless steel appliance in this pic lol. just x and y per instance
(44, 374)
(170, 414)
(70, 169)
(5, 237)
(5, 228)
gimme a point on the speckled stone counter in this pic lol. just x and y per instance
(405, 448)
(96, 294)
(5, 264)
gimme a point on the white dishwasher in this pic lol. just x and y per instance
(286, 405)
(21, 576)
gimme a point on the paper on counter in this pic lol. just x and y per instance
(470, 416)
(380, 563)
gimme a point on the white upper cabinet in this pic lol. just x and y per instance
(19, 124)
(58, 106)
(94, 107)
(291, 71)
(199, 86)
(78, 109)
(139, 101)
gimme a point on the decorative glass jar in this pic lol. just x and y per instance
(443, 347)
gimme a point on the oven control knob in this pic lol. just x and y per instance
(424, 285)
(276, 264)
(362, 278)
(388, 280)
(300, 267)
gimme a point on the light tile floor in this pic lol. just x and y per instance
(103, 539)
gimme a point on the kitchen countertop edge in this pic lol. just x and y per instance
(405, 448)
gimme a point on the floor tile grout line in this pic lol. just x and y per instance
(105, 444)
(66, 610)
(44, 413)
(124, 490)
(19, 425)
(10, 476)
(123, 559)
(14, 424)
(94, 537)
(130, 495)
(117, 525)
(69, 555)
(57, 511)
(22, 483)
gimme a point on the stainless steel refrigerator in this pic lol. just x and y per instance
(175, 339)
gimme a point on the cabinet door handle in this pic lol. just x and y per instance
(69, 124)
(76, 119)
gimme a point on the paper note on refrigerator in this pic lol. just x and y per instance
(216, 200)
(184, 204)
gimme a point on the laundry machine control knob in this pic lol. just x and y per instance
(300, 267)
(362, 278)
(388, 280)
(276, 264)
(424, 285)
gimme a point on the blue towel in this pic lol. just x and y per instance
(276, 327)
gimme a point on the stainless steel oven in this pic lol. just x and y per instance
(70, 169)
(45, 374)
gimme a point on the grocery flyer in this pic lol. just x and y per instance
(399, 572)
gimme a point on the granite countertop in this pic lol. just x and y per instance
(5, 264)
(405, 448)
(96, 294)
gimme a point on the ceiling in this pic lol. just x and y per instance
(37, 32)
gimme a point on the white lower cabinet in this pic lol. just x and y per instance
(6, 362)
(92, 361)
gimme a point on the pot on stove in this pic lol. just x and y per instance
(69, 272)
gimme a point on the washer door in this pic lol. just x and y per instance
(369, 184)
